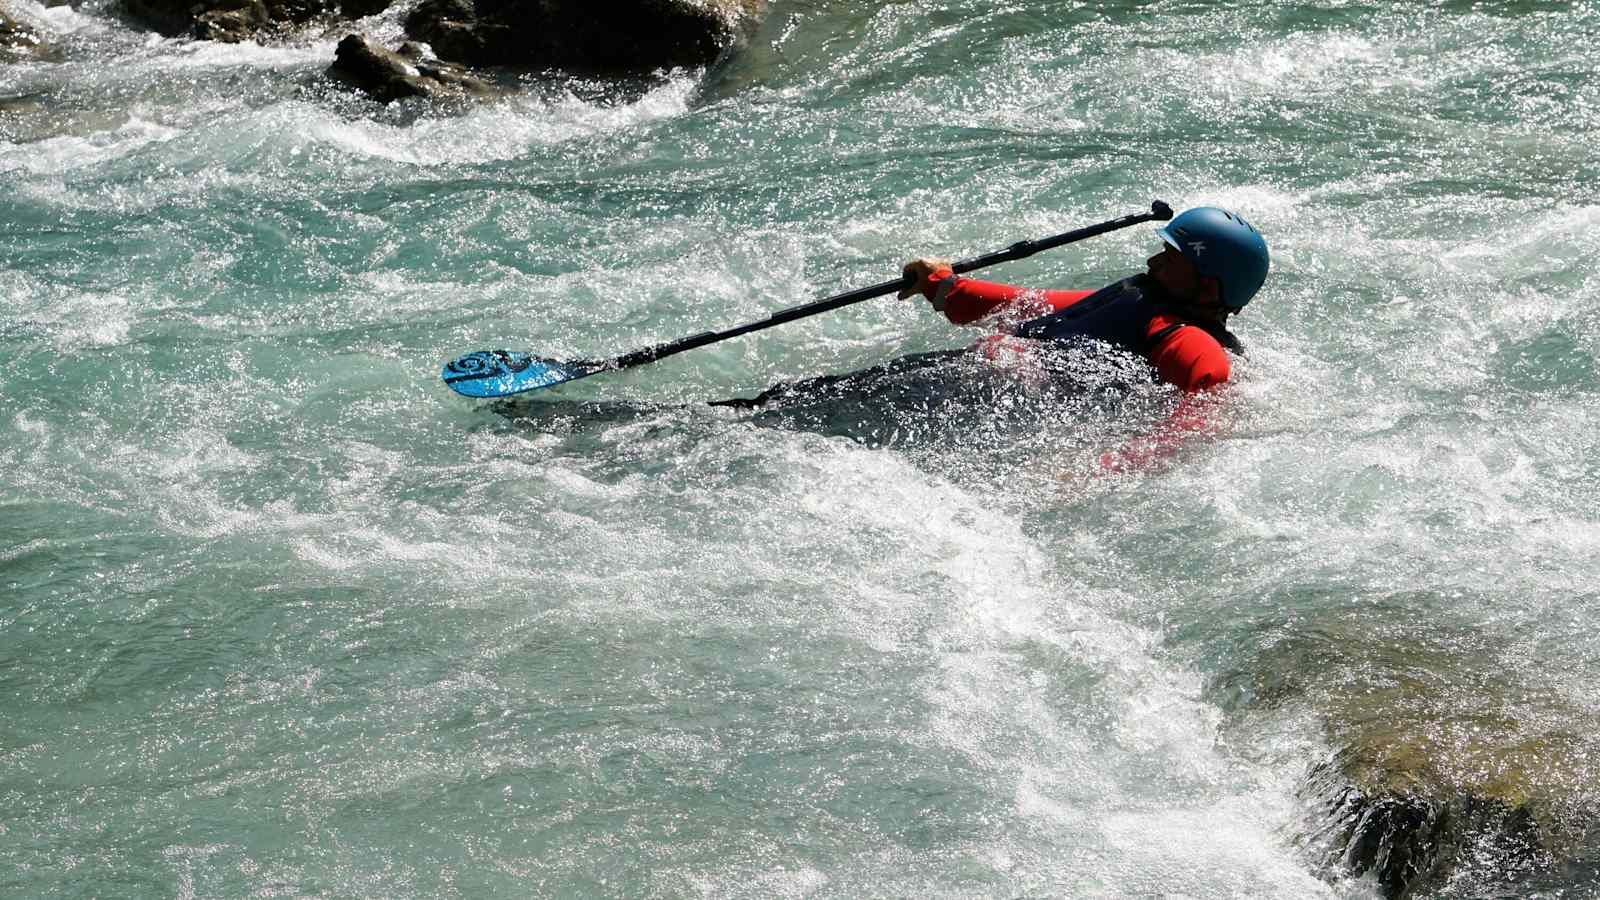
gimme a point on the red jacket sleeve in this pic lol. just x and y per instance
(966, 300)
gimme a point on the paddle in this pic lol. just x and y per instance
(501, 373)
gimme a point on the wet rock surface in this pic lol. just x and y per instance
(603, 37)
(389, 75)
(1449, 764)
(1414, 806)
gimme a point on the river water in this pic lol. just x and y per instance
(282, 616)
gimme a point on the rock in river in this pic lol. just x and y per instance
(241, 20)
(389, 75)
(601, 37)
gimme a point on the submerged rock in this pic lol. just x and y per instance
(1447, 766)
(389, 75)
(20, 103)
(20, 43)
(1417, 799)
(604, 37)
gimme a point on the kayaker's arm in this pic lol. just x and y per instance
(967, 300)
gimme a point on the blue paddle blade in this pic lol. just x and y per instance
(485, 374)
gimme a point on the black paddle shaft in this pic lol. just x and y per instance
(1159, 212)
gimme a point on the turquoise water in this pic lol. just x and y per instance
(280, 616)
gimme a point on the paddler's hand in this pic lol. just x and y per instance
(919, 272)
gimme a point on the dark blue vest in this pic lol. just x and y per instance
(1119, 314)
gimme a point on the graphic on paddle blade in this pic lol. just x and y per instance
(500, 373)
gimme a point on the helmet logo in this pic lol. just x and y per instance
(1198, 247)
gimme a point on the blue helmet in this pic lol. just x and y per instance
(1222, 245)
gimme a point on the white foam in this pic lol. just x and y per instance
(179, 55)
(95, 321)
(1311, 63)
(499, 130)
(57, 155)
(1000, 603)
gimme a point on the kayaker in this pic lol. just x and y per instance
(1174, 315)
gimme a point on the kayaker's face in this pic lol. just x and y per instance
(1173, 271)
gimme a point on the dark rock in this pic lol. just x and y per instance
(602, 37)
(168, 17)
(360, 9)
(19, 43)
(230, 26)
(387, 75)
(226, 20)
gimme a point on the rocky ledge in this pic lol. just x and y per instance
(230, 21)
(589, 37)
(603, 37)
